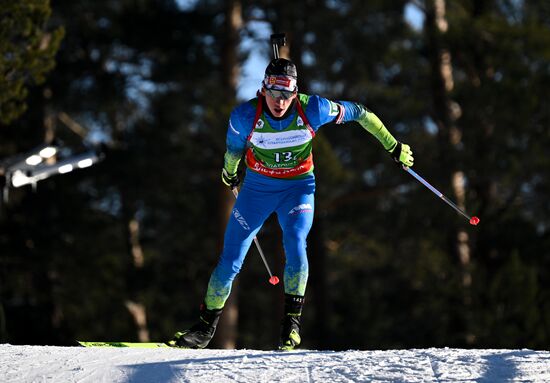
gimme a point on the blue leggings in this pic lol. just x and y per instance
(293, 201)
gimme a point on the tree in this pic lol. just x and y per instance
(27, 51)
(498, 59)
(227, 332)
(446, 113)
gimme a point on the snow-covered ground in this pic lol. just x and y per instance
(78, 364)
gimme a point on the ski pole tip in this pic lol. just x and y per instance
(474, 221)
(274, 280)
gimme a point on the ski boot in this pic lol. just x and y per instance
(290, 327)
(200, 334)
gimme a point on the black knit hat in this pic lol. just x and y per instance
(281, 67)
(281, 74)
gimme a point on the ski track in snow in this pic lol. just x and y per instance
(23, 364)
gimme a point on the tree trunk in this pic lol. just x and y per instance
(136, 308)
(227, 332)
(446, 114)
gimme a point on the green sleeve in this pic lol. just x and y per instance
(231, 162)
(372, 124)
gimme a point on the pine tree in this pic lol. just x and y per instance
(27, 52)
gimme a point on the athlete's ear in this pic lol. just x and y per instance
(262, 91)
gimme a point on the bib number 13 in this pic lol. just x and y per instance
(283, 156)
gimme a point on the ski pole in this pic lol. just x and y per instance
(473, 220)
(273, 279)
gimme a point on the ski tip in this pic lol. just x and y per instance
(474, 221)
(274, 280)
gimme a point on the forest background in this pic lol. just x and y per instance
(123, 250)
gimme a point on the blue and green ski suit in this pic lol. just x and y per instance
(291, 198)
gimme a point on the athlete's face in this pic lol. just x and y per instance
(278, 101)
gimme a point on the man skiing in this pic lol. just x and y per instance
(274, 132)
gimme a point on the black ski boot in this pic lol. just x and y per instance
(290, 327)
(201, 333)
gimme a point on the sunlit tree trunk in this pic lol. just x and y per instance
(133, 303)
(134, 306)
(446, 113)
(135, 260)
(226, 335)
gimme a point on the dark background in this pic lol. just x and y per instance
(124, 250)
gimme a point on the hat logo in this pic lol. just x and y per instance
(281, 81)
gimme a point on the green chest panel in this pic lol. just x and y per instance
(282, 149)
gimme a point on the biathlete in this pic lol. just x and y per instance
(274, 133)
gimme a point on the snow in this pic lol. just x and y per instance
(122, 365)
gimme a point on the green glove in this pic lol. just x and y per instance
(230, 173)
(402, 154)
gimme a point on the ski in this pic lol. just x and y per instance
(125, 344)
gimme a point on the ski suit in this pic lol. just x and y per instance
(280, 179)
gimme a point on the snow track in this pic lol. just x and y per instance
(24, 364)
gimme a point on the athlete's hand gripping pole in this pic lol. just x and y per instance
(473, 220)
(273, 279)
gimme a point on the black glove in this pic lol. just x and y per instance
(231, 180)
